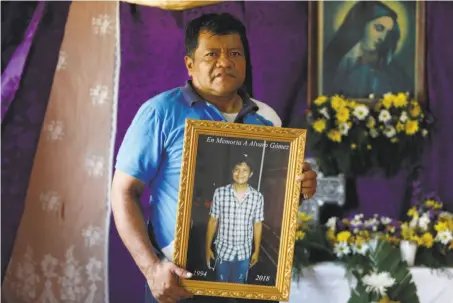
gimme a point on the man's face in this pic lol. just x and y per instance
(242, 173)
(217, 66)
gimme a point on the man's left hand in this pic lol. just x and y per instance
(308, 178)
(254, 258)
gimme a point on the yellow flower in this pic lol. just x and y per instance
(300, 235)
(394, 140)
(412, 212)
(386, 299)
(368, 146)
(387, 101)
(416, 239)
(319, 125)
(334, 135)
(320, 100)
(331, 235)
(343, 114)
(411, 127)
(427, 240)
(352, 103)
(400, 100)
(441, 226)
(304, 218)
(400, 127)
(343, 236)
(415, 110)
(433, 204)
(338, 102)
(370, 122)
(353, 146)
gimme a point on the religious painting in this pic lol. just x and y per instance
(365, 49)
(237, 210)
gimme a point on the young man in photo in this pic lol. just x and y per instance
(236, 215)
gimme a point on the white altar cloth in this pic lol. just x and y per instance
(328, 283)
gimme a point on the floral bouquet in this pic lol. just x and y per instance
(353, 138)
(400, 126)
(430, 227)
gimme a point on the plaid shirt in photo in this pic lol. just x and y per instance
(235, 221)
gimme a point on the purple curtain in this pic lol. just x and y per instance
(22, 124)
(13, 72)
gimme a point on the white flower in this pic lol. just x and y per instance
(389, 131)
(374, 133)
(386, 220)
(384, 115)
(331, 223)
(344, 128)
(325, 113)
(414, 222)
(403, 117)
(424, 132)
(95, 165)
(371, 96)
(92, 235)
(361, 112)
(378, 282)
(341, 249)
(444, 237)
(424, 221)
(360, 248)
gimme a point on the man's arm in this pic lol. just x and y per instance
(131, 226)
(129, 221)
(258, 230)
(212, 228)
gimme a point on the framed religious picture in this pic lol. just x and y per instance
(237, 210)
(365, 49)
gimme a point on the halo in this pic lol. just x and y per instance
(397, 6)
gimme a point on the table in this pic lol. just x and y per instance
(327, 283)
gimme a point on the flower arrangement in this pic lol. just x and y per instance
(430, 227)
(352, 138)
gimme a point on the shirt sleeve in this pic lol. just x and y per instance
(215, 207)
(259, 216)
(141, 151)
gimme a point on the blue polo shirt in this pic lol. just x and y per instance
(152, 149)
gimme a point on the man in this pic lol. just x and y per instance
(239, 208)
(151, 152)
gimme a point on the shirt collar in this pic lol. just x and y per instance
(191, 96)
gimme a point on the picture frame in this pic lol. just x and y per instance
(278, 155)
(403, 68)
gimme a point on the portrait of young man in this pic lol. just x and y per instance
(151, 151)
(236, 219)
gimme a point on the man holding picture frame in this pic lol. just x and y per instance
(151, 152)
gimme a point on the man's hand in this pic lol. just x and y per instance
(209, 257)
(163, 283)
(254, 258)
(308, 178)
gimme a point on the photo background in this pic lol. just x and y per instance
(407, 54)
(213, 169)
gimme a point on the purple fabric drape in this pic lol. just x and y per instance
(22, 126)
(13, 72)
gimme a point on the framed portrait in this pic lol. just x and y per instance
(237, 209)
(365, 49)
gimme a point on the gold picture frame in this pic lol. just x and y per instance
(409, 56)
(287, 144)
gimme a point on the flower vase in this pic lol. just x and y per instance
(373, 243)
(408, 251)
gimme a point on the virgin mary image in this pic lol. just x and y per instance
(360, 58)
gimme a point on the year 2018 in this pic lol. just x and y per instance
(262, 278)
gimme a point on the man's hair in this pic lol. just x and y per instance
(243, 158)
(218, 24)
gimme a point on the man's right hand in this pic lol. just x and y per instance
(209, 256)
(163, 283)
